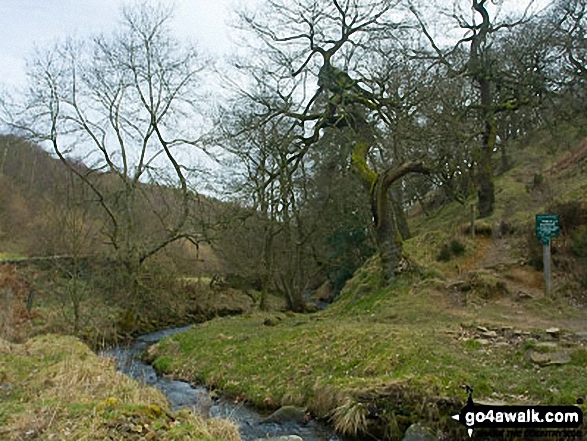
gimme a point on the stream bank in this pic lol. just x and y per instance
(181, 394)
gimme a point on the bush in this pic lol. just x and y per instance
(579, 241)
(457, 247)
(445, 254)
(572, 215)
(448, 250)
(482, 228)
(506, 228)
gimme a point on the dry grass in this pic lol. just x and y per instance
(350, 418)
(54, 387)
(13, 293)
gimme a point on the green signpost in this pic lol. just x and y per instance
(547, 226)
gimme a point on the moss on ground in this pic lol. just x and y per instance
(53, 387)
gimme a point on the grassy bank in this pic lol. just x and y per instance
(401, 353)
(54, 388)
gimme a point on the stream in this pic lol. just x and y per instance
(182, 395)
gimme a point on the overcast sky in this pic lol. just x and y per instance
(26, 23)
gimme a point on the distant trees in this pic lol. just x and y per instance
(496, 89)
(120, 103)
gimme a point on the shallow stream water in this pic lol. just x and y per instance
(183, 395)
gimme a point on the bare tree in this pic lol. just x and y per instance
(483, 67)
(321, 43)
(119, 103)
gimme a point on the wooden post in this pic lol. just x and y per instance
(472, 221)
(547, 271)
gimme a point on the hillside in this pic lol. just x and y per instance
(46, 213)
(382, 358)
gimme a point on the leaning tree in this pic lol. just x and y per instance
(314, 53)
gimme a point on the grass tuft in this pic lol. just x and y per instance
(350, 418)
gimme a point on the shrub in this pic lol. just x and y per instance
(444, 254)
(506, 228)
(448, 250)
(579, 241)
(457, 247)
(572, 215)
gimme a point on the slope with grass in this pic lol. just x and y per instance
(53, 387)
(382, 358)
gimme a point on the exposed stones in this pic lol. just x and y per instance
(523, 295)
(271, 321)
(553, 332)
(547, 358)
(204, 403)
(581, 335)
(281, 438)
(417, 432)
(546, 346)
(483, 341)
(559, 358)
(287, 414)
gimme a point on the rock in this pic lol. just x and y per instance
(311, 307)
(271, 321)
(581, 335)
(553, 332)
(548, 358)
(204, 402)
(489, 334)
(417, 432)
(538, 357)
(523, 295)
(325, 292)
(287, 414)
(482, 329)
(490, 402)
(559, 358)
(545, 346)
(281, 438)
(483, 342)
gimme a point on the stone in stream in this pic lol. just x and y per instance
(204, 402)
(287, 414)
(417, 432)
(281, 438)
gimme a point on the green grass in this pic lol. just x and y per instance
(11, 256)
(407, 349)
(402, 338)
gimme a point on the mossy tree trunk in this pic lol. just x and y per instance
(486, 188)
(387, 235)
(397, 202)
(481, 74)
